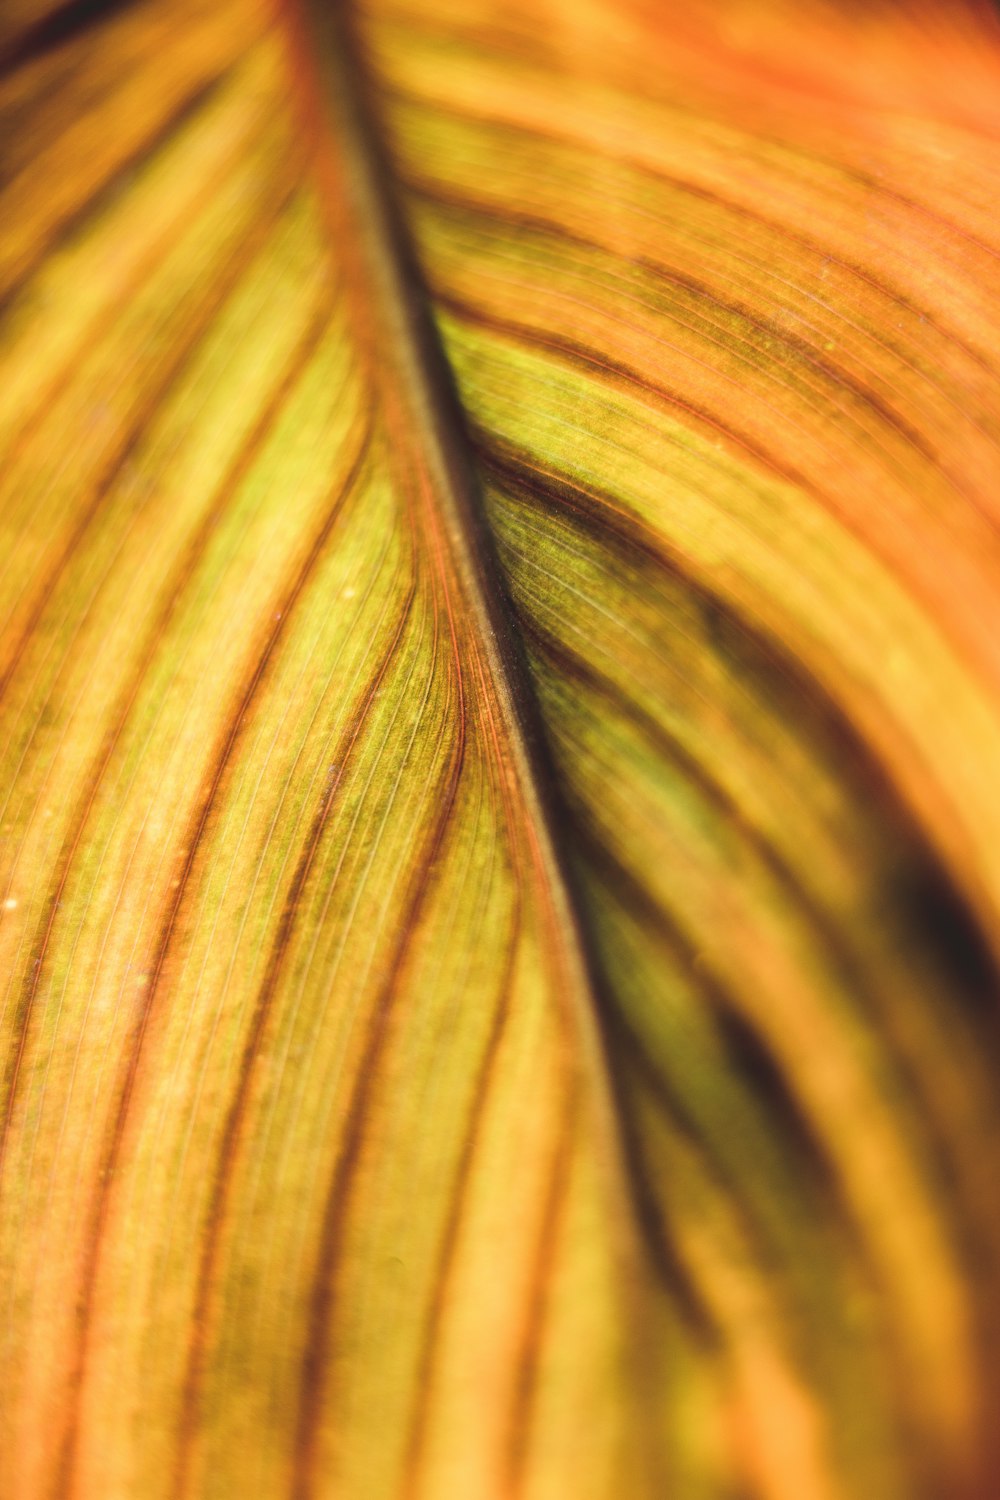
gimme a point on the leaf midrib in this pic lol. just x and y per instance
(397, 332)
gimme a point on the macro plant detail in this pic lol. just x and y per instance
(500, 728)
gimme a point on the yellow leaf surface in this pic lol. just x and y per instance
(500, 718)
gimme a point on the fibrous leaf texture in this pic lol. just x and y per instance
(500, 727)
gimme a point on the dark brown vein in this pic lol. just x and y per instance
(122, 709)
(614, 370)
(224, 1173)
(54, 28)
(263, 659)
(77, 217)
(875, 185)
(704, 294)
(481, 1093)
(707, 195)
(97, 332)
(617, 372)
(396, 326)
(969, 969)
(532, 1333)
(90, 502)
(316, 1359)
(967, 953)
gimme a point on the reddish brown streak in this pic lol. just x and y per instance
(519, 1421)
(795, 1127)
(79, 215)
(585, 358)
(65, 1470)
(626, 374)
(55, 27)
(851, 755)
(696, 190)
(704, 294)
(936, 1146)
(98, 331)
(315, 1361)
(89, 506)
(601, 516)
(449, 1241)
(873, 786)
(230, 1143)
(864, 179)
(385, 267)
(120, 714)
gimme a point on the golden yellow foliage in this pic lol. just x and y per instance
(500, 729)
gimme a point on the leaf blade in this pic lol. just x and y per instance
(296, 938)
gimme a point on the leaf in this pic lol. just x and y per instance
(500, 716)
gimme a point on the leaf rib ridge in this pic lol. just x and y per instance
(397, 332)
